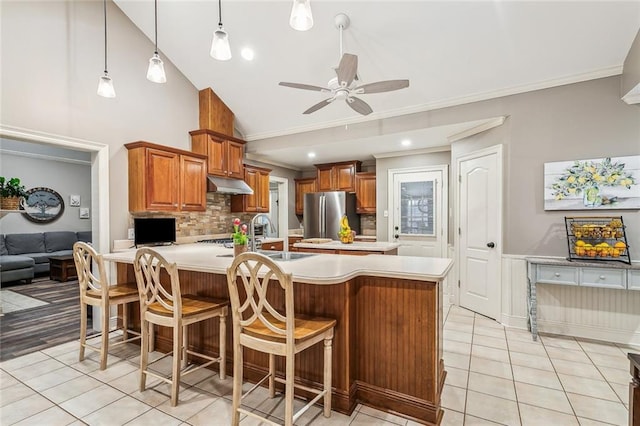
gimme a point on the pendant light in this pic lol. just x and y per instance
(155, 72)
(105, 84)
(220, 48)
(301, 18)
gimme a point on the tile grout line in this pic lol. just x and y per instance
(513, 376)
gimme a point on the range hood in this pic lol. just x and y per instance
(228, 186)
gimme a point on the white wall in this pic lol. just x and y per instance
(52, 57)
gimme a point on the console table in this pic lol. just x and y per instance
(634, 391)
(543, 270)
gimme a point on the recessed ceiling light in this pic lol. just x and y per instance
(247, 53)
(311, 155)
(406, 142)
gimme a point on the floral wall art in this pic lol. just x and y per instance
(604, 183)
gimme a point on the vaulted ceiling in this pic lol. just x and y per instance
(452, 52)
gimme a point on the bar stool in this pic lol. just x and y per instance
(259, 326)
(169, 308)
(96, 291)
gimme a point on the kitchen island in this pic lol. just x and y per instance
(355, 248)
(387, 349)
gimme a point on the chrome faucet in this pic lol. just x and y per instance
(252, 228)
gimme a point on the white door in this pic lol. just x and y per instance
(480, 242)
(418, 211)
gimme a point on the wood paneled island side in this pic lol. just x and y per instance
(387, 350)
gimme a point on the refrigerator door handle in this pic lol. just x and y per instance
(322, 216)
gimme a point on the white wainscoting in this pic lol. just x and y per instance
(593, 313)
(514, 291)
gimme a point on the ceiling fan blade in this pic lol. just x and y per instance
(359, 106)
(382, 86)
(305, 87)
(347, 69)
(318, 106)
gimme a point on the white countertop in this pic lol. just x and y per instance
(316, 269)
(357, 245)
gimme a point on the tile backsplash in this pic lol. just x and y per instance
(368, 224)
(217, 219)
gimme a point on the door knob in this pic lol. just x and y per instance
(395, 227)
(396, 236)
(491, 245)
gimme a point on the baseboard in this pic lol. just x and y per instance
(513, 321)
(588, 332)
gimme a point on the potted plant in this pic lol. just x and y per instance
(239, 236)
(11, 191)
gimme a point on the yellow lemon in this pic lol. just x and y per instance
(580, 243)
(620, 245)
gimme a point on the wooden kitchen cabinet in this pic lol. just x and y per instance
(337, 176)
(304, 186)
(292, 240)
(366, 192)
(224, 153)
(258, 179)
(163, 178)
(273, 246)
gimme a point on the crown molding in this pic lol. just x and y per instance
(441, 148)
(267, 160)
(498, 121)
(514, 90)
(44, 157)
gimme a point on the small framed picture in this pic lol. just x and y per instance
(84, 213)
(74, 200)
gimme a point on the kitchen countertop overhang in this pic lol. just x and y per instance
(316, 269)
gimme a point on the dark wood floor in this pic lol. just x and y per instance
(38, 328)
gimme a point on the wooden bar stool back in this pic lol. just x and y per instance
(96, 291)
(259, 326)
(167, 307)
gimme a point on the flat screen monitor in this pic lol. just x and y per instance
(148, 231)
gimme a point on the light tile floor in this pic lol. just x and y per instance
(495, 375)
(10, 301)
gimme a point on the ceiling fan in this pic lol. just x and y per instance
(345, 85)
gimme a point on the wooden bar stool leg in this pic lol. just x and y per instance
(144, 353)
(125, 324)
(237, 382)
(104, 350)
(185, 344)
(288, 391)
(83, 329)
(175, 376)
(327, 376)
(223, 347)
(272, 375)
(152, 338)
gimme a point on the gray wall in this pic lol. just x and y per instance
(52, 57)
(631, 69)
(60, 170)
(382, 177)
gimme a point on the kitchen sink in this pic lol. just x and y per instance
(278, 255)
(286, 255)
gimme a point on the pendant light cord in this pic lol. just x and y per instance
(341, 28)
(105, 36)
(156, 27)
(220, 13)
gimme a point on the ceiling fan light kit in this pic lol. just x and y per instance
(346, 83)
(220, 48)
(105, 84)
(155, 72)
(301, 18)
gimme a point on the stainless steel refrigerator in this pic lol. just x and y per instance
(323, 211)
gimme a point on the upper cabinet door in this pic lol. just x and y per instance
(215, 152)
(251, 201)
(345, 176)
(325, 178)
(161, 184)
(193, 183)
(263, 191)
(303, 186)
(365, 193)
(235, 152)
